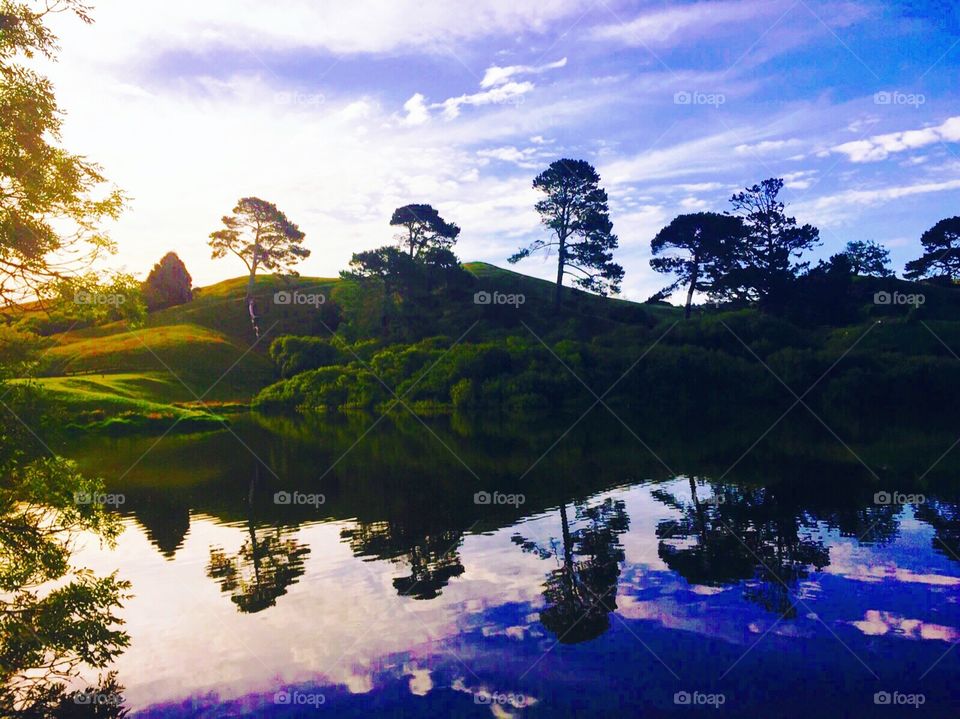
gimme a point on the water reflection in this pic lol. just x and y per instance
(581, 592)
(267, 563)
(698, 570)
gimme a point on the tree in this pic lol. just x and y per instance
(262, 237)
(574, 208)
(168, 284)
(707, 241)
(766, 265)
(51, 201)
(868, 259)
(425, 229)
(941, 252)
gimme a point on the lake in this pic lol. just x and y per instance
(452, 567)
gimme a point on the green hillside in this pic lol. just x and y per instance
(205, 354)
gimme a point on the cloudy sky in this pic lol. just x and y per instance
(339, 112)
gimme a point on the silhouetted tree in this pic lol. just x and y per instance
(424, 229)
(766, 265)
(263, 238)
(941, 252)
(707, 242)
(168, 284)
(582, 592)
(267, 563)
(574, 208)
(868, 259)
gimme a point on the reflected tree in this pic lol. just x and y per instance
(582, 591)
(267, 563)
(944, 517)
(742, 535)
(431, 555)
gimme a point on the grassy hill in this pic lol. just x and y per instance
(204, 354)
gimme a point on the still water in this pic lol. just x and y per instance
(406, 569)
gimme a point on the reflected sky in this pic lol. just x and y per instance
(876, 617)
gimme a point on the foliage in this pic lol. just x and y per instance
(52, 200)
(263, 238)
(766, 264)
(425, 229)
(168, 284)
(574, 208)
(941, 252)
(293, 355)
(707, 243)
(868, 259)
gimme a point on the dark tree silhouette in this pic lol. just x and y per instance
(263, 238)
(582, 592)
(941, 252)
(267, 563)
(168, 284)
(868, 259)
(430, 552)
(742, 535)
(707, 243)
(424, 229)
(767, 265)
(574, 208)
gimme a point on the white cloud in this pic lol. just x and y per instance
(500, 75)
(686, 23)
(509, 94)
(766, 146)
(880, 147)
(416, 109)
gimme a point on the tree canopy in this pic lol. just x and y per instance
(168, 284)
(574, 208)
(941, 252)
(424, 229)
(868, 259)
(263, 238)
(704, 245)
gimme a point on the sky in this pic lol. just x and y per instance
(341, 112)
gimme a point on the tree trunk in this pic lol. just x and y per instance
(558, 296)
(252, 303)
(693, 284)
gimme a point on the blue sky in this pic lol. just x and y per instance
(340, 112)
